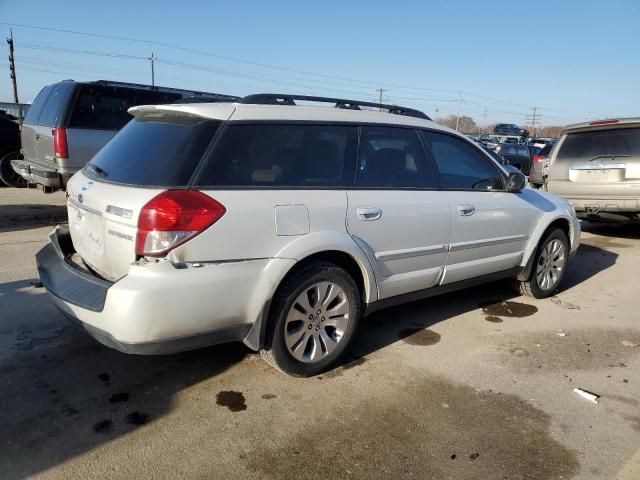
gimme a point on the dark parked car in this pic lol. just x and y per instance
(70, 121)
(510, 129)
(9, 150)
(516, 155)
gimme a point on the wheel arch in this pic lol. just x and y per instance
(561, 222)
(344, 253)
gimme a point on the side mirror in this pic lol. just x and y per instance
(516, 182)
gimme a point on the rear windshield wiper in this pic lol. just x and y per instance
(98, 171)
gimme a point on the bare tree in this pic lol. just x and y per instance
(465, 124)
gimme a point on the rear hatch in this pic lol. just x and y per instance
(155, 152)
(597, 161)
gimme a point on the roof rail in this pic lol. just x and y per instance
(187, 93)
(280, 99)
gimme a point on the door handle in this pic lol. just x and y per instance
(369, 213)
(37, 136)
(466, 210)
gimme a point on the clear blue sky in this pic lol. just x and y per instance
(574, 59)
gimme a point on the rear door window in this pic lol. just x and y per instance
(154, 151)
(460, 165)
(100, 107)
(620, 142)
(312, 156)
(392, 158)
(56, 106)
(35, 110)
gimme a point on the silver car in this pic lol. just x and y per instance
(596, 166)
(280, 225)
(70, 121)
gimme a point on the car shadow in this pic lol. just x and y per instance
(386, 327)
(64, 394)
(611, 229)
(27, 216)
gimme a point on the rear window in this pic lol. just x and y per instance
(546, 149)
(56, 106)
(33, 115)
(283, 155)
(100, 107)
(159, 151)
(601, 143)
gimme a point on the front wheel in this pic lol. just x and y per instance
(312, 320)
(549, 265)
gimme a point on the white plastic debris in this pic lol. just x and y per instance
(562, 334)
(628, 343)
(592, 397)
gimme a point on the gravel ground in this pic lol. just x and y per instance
(475, 384)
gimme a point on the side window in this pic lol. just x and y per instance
(460, 165)
(56, 105)
(392, 158)
(33, 115)
(282, 156)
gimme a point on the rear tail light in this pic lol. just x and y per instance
(173, 217)
(60, 148)
(539, 158)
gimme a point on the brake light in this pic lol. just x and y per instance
(604, 122)
(173, 217)
(60, 148)
(539, 158)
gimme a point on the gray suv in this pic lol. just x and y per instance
(596, 166)
(70, 121)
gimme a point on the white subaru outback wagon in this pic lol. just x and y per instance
(280, 224)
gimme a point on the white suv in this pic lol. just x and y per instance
(280, 225)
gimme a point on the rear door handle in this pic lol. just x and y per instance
(369, 213)
(466, 210)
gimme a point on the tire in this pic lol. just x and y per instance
(549, 266)
(7, 174)
(302, 339)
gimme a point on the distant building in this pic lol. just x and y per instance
(12, 109)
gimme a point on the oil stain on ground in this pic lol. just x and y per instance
(508, 309)
(234, 401)
(419, 336)
(137, 418)
(504, 437)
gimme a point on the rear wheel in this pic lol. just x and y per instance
(313, 318)
(7, 174)
(549, 265)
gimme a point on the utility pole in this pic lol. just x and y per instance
(12, 69)
(380, 91)
(533, 117)
(484, 120)
(459, 106)
(437, 111)
(533, 121)
(153, 58)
